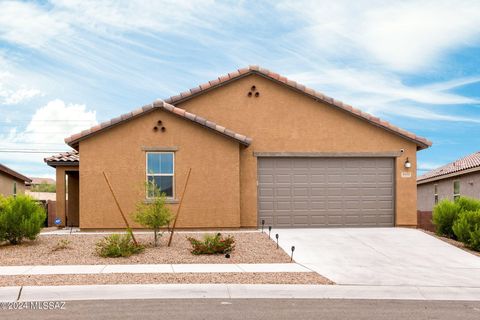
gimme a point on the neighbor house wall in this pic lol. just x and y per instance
(212, 198)
(469, 186)
(283, 120)
(7, 182)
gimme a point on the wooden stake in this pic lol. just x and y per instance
(179, 207)
(119, 208)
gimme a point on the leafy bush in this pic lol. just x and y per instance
(468, 204)
(444, 215)
(465, 224)
(20, 217)
(212, 244)
(154, 215)
(474, 242)
(116, 245)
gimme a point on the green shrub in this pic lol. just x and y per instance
(468, 204)
(20, 217)
(212, 244)
(116, 245)
(444, 215)
(474, 242)
(465, 224)
(154, 215)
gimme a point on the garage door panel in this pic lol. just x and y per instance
(326, 192)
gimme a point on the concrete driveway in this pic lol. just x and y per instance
(381, 256)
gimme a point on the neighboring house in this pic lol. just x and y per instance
(12, 182)
(458, 178)
(260, 147)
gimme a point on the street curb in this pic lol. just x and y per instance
(235, 291)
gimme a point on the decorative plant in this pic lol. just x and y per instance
(116, 245)
(20, 217)
(212, 244)
(62, 244)
(154, 215)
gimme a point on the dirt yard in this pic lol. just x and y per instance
(89, 279)
(250, 247)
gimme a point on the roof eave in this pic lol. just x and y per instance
(76, 142)
(448, 175)
(55, 164)
(420, 145)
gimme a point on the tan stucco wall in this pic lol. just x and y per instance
(6, 185)
(212, 198)
(282, 120)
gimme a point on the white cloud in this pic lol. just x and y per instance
(427, 166)
(11, 93)
(46, 131)
(384, 87)
(28, 24)
(55, 121)
(400, 35)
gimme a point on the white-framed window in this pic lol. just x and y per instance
(14, 188)
(435, 193)
(456, 189)
(160, 170)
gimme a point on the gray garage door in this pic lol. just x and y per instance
(326, 192)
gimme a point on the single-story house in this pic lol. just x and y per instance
(458, 178)
(12, 182)
(260, 147)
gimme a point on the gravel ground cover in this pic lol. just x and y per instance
(455, 243)
(250, 247)
(122, 278)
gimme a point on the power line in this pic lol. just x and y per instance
(44, 120)
(29, 151)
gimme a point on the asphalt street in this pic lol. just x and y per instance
(276, 309)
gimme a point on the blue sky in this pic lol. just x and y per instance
(66, 65)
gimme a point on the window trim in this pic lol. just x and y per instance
(435, 193)
(14, 188)
(456, 195)
(160, 174)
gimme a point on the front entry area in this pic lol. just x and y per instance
(326, 192)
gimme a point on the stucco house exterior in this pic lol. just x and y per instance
(259, 146)
(12, 182)
(458, 178)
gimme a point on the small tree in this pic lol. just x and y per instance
(20, 217)
(153, 215)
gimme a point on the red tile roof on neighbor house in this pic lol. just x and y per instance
(158, 104)
(64, 158)
(457, 167)
(14, 173)
(421, 142)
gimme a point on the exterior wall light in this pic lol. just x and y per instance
(408, 164)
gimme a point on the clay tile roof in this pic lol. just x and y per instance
(64, 158)
(14, 173)
(421, 142)
(456, 167)
(158, 104)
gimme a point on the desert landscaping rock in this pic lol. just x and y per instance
(250, 247)
(147, 278)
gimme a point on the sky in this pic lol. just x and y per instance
(66, 65)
